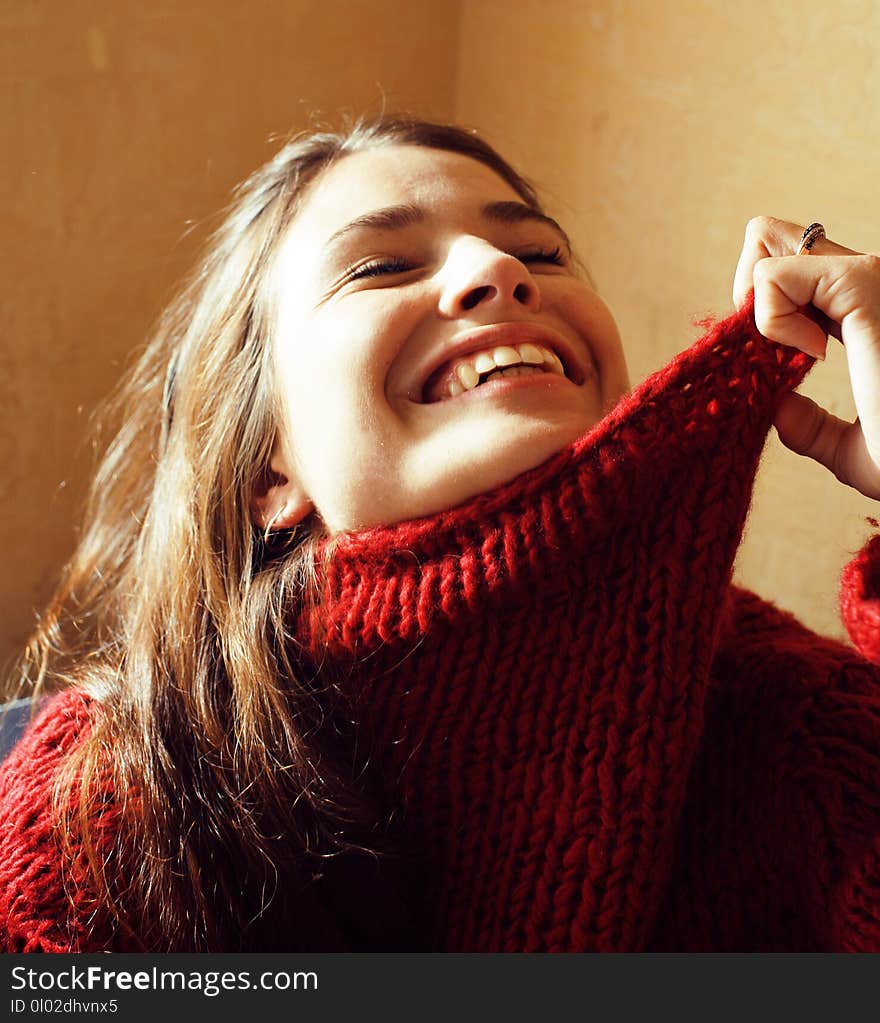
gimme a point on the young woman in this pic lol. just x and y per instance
(397, 623)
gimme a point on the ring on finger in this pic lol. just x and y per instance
(809, 238)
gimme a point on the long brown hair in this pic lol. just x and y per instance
(172, 613)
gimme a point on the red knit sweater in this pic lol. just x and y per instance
(601, 744)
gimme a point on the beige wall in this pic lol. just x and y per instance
(658, 129)
(655, 129)
(124, 126)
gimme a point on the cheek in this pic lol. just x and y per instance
(360, 347)
(612, 354)
(358, 337)
(331, 375)
(598, 327)
(317, 358)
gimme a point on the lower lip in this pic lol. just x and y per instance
(505, 385)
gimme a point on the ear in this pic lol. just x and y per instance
(279, 501)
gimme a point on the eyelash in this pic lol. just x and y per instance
(378, 267)
(553, 256)
(392, 266)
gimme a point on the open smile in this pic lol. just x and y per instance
(497, 353)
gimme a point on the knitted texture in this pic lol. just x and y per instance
(533, 673)
(859, 604)
(598, 742)
(42, 907)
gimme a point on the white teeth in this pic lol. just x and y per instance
(509, 361)
(456, 388)
(504, 355)
(484, 362)
(468, 375)
(507, 355)
(553, 361)
(531, 354)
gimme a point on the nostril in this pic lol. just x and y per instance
(521, 293)
(474, 297)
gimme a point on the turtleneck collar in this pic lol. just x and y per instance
(529, 670)
(681, 449)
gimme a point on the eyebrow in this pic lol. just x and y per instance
(396, 218)
(519, 213)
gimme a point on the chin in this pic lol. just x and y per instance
(520, 453)
(475, 466)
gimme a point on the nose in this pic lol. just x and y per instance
(478, 274)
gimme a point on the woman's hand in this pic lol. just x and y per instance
(799, 301)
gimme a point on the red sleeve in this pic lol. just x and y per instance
(842, 761)
(860, 600)
(826, 697)
(41, 909)
(839, 793)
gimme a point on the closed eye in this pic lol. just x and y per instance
(381, 267)
(378, 267)
(554, 256)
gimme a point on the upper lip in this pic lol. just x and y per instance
(493, 335)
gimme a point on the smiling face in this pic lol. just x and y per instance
(409, 276)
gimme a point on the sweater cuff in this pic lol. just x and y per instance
(860, 600)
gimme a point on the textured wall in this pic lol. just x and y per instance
(657, 131)
(124, 126)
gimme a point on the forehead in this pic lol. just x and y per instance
(394, 174)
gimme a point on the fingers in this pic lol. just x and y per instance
(808, 429)
(800, 300)
(842, 291)
(763, 238)
(768, 236)
(784, 287)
